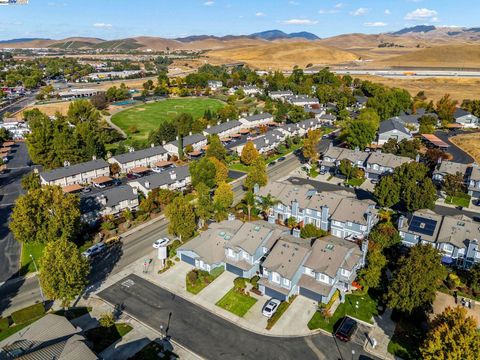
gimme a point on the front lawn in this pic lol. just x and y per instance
(237, 302)
(239, 167)
(463, 200)
(355, 182)
(197, 280)
(73, 313)
(26, 262)
(140, 120)
(103, 337)
(20, 319)
(367, 308)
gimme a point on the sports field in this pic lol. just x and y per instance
(140, 120)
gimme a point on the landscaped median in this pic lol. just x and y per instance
(197, 280)
(359, 305)
(237, 300)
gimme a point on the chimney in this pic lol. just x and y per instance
(135, 191)
(152, 145)
(178, 138)
(417, 158)
(94, 157)
(147, 184)
(173, 175)
(189, 133)
(296, 233)
(219, 122)
(401, 222)
(267, 141)
(357, 149)
(131, 149)
(208, 126)
(164, 142)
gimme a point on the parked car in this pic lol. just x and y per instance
(281, 158)
(272, 163)
(116, 182)
(100, 185)
(476, 218)
(347, 328)
(86, 189)
(156, 169)
(161, 243)
(271, 307)
(94, 250)
(131, 176)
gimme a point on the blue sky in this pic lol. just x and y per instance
(110, 19)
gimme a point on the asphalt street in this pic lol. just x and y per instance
(18, 105)
(10, 189)
(458, 155)
(213, 337)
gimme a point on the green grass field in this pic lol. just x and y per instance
(147, 117)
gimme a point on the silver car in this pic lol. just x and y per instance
(271, 307)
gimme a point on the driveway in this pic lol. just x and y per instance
(213, 337)
(10, 189)
(458, 155)
(297, 316)
(175, 277)
(219, 287)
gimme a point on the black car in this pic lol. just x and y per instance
(347, 328)
(281, 158)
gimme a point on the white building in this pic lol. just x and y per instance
(145, 158)
(83, 173)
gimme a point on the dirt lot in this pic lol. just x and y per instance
(470, 143)
(434, 88)
(49, 109)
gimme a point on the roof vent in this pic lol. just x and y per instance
(257, 228)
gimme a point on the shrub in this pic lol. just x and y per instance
(106, 320)
(311, 231)
(254, 281)
(239, 284)
(172, 248)
(192, 276)
(28, 313)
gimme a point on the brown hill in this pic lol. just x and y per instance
(455, 56)
(157, 43)
(214, 44)
(282, 55)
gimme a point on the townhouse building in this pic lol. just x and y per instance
(474, 182)
(256, 120)
(177, 178)
(141, 158)
(225, 129)
(446, 167)
(197, 141)
(457, 237)
(334, 155)
(302, 100)
(465, 118)
(280, 95)
(392, 129)
(379, 164)
(82, 173)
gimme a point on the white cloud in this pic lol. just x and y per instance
(209, 3)
(300, 22)
(339, 6)
(259, 14)
(422, 14)
(102, 25)
(294, 2)
(387, 12)
(375, 24)
(359, 12)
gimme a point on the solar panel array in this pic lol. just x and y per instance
(422, 225)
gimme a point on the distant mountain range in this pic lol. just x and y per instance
(271, 35)
(13, 41)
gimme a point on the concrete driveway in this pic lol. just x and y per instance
(296, 318)
(219, 287)
(174, 278)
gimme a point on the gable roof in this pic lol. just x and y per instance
(190, 140)
(451, 167)
(250, 237)
(392, 125)
(387, 160)
(165, 178)
(354, 210)
(457, 230)
(227, 125)
(139, 154)
(257, 117)
(459, 112)
(72, 170)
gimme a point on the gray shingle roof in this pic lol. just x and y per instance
(84, 167)
(113, 197)
(140, 154)
(190, 140)
(459, 112)
(390, 125)
(257, 117)
(223, 127)
(164, 178)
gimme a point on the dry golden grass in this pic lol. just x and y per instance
(455, 56)
(49, 109)
(435, 88)
(470, 143)
(282, 55)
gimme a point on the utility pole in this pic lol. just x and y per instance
(39, 285)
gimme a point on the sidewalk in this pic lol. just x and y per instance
(382, 332)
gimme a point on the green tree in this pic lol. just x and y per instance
(427, 124)
(31, 181)
(420, 195)
(249, 153)
(204, 204)
(387, 192)
(310, 150)
(267, 202)
(63, 271)
(181, 215)
(221, 171)
(222, 200)
(215, 148)
(453, 184)
(446, 108)
(371, 275)
(384, 235)
(250, 202)
(358, 133)
(452, 336)
(347, 169)
(257, 174)
(203, 171)
(291, 222)
(82, 110)
(44, 214)
(106, 320)
(311, 231)
(416, 279)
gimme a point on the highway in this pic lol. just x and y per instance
(417, 74)
(20, 292)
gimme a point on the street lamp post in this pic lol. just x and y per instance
(36, 270)
(353, 354)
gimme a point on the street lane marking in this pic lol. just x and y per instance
(127, 283)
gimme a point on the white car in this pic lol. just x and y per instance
(161, 243)
(271, 307)
(156, 169)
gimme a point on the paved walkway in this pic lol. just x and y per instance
(382, 332)
(442, 301)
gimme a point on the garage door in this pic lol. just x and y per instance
(274, 294)
(187, 259)
(234, 270)
(310, 294)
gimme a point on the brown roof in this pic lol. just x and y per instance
(72, 188)
(195, 153)
(139, 169)
(236, 135)
(435, 140)
(244, 131)
(163, 163)
(102, 179)
(8, 143)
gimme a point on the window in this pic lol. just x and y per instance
(309, 272)
(337, 223)
(308, 211)
(323, 278)
(448, 247)
(349, 223)
(286, 282)
(345, 273)
(231, 253)
(276, 277)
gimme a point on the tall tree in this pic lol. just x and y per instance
(387, 192)
(222, 200)
(82, 110)
(203, 171)
(416, 279)
(221, 171)
(359, 133)
(181, 215)
(371, 275)
(215, 148)
(257, 174)
(310, 144)
(446, 108)
(63, 271)
(384, 235)
(249, 153)
(204, 204)
(250, 202)
(31, 181)
(45, 213)
(453, 184)
(452, 336)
